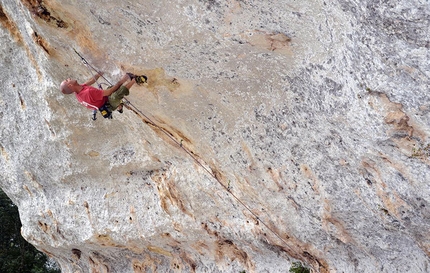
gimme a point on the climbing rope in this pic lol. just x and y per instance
(179, 143)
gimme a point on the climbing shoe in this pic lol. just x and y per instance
(140, 79)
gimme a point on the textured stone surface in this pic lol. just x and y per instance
(304, 128)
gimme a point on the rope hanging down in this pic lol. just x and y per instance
(179, 143)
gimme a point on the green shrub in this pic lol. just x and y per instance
(16, 254)
(297, 267)
(422, 151)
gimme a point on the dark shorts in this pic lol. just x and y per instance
(116, 97)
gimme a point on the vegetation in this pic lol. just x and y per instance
(297, 267)
(423, 151)
(16, 254)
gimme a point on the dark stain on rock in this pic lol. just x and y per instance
(21, 100)
(211, 4)
(217, 175)
(9, 25)
(169, 193)
(173, 132)
(229, 242)
(3, 16)
(76, 253)
(276, 177)
(100, 19)
(228, 248)
(189, 261)
(43, 226)
(394, 114)
(39, 9)
(41, 42)
(297, 250)
(163, 130)
(53, 134)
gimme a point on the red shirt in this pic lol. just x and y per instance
(90, 96)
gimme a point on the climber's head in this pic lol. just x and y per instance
(69, 86)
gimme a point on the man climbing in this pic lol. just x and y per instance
(94, 98)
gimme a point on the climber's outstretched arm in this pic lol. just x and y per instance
(94, 79)
(109, 91)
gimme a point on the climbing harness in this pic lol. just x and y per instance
(207, 169)
(104, 110)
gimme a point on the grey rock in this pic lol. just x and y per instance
(269, 132)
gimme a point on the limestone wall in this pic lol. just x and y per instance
(269, 132)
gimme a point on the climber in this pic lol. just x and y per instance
(104, 100)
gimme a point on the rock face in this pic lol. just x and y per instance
(269, 132)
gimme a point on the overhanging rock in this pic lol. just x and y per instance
(268, 132)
